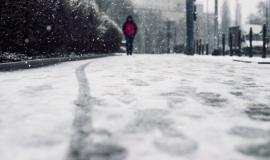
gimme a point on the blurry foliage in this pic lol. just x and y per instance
(46, 26)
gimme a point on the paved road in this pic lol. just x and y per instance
(143, 107)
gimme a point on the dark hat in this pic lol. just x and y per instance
(129, 17)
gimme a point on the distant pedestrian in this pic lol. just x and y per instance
(130, 31)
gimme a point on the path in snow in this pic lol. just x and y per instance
(83, 146)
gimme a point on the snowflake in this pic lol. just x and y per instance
(26, 40)
(49, 27)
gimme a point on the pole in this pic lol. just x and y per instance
(197, 47)
(230, 43)
(190, 27)
(168, 36)
(200, 46)
(264, 41)
(216, 23)
(239, 43)
(218, 41)
(223, 44)
(266, 12)
(207, 24)
(175, 37)
(207, 49)
(250, 42)
(203, 49)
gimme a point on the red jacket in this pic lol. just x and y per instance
(130, 29)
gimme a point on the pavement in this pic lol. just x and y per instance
(147, 107)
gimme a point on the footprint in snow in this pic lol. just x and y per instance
(149, 120)
(260, 112)
(249, 132)
(237, 93)
(175, 143)
(212, 99)
(138, 82)
(257, 150)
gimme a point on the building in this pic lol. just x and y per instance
(171, 9)
(162, 25)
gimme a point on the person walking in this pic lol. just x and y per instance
(130, 31)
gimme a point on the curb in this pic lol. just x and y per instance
(242, 61)
(263, 62)
(45, 62)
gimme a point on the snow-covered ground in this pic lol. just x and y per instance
(146, 107)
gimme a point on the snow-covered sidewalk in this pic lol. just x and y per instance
(145, 107)
(37, 110)
(178, 107)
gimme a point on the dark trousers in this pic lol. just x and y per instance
(129, 45)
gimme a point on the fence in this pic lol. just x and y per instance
(236, 38)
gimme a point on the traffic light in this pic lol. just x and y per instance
(195, 12)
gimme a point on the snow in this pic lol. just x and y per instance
(11, 57)
(26, 40)
(48, 27)
(148, 107)
(253, 59)
(37, 112)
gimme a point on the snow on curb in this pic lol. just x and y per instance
(45, 62)
(255, 60)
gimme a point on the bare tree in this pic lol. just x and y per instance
(118, 10)
(259, 17)
(238, 14)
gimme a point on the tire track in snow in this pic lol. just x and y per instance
(82, 145)
(80, 139)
